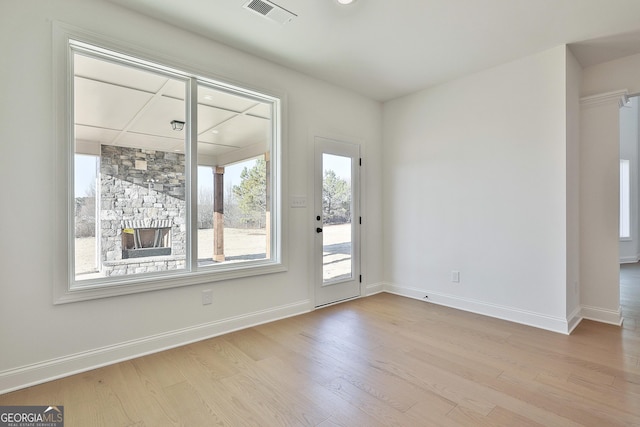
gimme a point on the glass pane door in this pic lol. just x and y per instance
(337, 221)
(337, 248)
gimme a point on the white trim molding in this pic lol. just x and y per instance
(574, 319)
(37, 373)
(629, 259)
(374, 288)
(604, 98)
(613, 317)
(529, 318)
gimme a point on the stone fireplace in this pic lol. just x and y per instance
(142, 210)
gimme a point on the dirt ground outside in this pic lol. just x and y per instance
(244, 244)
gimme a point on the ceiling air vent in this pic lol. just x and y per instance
(270, 10)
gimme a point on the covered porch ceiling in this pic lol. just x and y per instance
(125, 106)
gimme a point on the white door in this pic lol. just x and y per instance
(336, 221)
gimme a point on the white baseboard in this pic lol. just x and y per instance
(613, 317)
(374, 288)
(629, 259)
(25, 376)
(537, 320)
(574, 319)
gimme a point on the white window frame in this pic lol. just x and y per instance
(66, 288)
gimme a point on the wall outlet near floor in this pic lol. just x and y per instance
(207, 297)
(455, 276)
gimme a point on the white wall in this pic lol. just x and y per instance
(629, 250)
(611, 76)
(40, 340)
(476, 181)
(599, 207)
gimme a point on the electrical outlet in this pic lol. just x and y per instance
(207, 297)
(455, 276)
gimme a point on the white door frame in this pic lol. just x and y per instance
(334, 291)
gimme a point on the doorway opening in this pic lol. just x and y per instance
(629, 230)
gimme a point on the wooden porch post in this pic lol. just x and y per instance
(218, 214)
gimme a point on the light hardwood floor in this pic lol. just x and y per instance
(378, 361)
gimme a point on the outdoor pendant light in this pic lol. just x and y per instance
(177, 125)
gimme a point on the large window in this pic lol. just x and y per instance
(175, 176)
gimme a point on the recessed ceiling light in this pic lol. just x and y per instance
(345, 1)
(215, 131)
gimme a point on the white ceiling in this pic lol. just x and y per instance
(388, 48)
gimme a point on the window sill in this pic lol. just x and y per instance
(104, 288)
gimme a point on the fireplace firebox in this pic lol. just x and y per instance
(146, 238)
